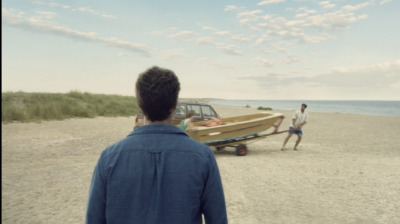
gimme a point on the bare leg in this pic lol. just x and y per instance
(286, 140)
(297, 142)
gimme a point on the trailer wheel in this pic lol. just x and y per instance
(241, 150)
(219, 148)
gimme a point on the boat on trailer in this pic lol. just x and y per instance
(237, 130)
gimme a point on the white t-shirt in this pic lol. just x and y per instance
(299, 117)
(187, 120)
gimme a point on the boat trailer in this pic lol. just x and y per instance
(240, 142)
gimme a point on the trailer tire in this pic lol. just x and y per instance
(219, 148)
(241, 150)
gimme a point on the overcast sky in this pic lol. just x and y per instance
(231, 49)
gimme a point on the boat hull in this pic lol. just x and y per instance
(234, 127)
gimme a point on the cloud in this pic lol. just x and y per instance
(269, 80)
(36, 24)
(344, 16)
(268, 2)
(247, 17)
(368, 77)
(11, 17)
(356, 7)
(231, 8)
(252, 13)
(181, 34)
(385, 67)
(240, 38)
(127, 45)
(47, 15)
(295, 23)
(304, 26)
(95, 13)
(107, 16)
(384, 2)
(223, 33)
(303, 12)
(80, 9)
(279, 27)
(234, 37)
(278, 46)
(327, 5)
(209, 28)
(292, 59)
(228, 49)
(378, 75)
(52, 3)
(172, 54)
(264, 62)
(336, 19)
(204, 40)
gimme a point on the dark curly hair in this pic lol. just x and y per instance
(157, 91)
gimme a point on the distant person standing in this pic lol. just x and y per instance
(157, 174)
(299, 119)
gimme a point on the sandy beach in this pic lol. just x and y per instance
(347, 170)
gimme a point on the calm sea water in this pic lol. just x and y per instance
(379, 108)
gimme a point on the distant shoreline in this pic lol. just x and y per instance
(202, 100)
(374, 108)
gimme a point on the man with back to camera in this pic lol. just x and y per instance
(157, 174)
(299, 119)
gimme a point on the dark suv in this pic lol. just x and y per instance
(201, 111)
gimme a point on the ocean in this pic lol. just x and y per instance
(378, 108)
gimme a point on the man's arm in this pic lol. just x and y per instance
(293, 123)
(95, 213)
(302, 124)
(304, 121)
(213, 199)
(294, 118)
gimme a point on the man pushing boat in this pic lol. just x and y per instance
(299, 119)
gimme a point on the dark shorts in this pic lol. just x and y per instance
(297, 132)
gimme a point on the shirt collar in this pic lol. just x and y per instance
(157, 129)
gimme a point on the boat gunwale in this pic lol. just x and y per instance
(273, 115)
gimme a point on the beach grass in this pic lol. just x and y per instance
(34, 107)
(264, 108)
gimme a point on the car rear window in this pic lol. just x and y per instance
(208, 112)
(195, 108)
(180, 110)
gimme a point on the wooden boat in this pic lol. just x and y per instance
(235, 127)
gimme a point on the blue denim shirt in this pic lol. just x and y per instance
(157, 174)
